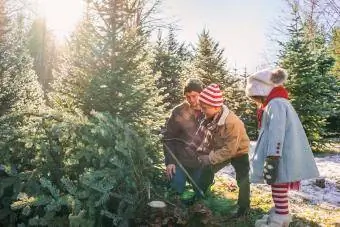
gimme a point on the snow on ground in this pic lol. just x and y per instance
(329, 168)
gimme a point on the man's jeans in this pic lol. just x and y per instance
(179, 179)
(241, 166)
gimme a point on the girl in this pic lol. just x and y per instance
(282, 155)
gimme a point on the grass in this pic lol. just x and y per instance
(304, 213)
(216, 209)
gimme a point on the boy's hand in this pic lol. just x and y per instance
(270, 170)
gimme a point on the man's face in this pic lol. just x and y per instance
(192, 99)
(209, 111)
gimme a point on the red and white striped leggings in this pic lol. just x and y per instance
(280, 198)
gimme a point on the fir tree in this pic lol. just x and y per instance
(170, 57)
(112, 65)
(42, 49)
(333, 122)
(20, 96)
(312, 89)
(19, 88)
(243, 106)
(209, 64)
(335, 50)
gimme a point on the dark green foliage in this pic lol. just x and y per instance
(313, 90)
(43, 50)
(170, 58)
(108, 68)
(81, 171)
(209, 64)
(90, 159)
(333, 121)
(19, 88)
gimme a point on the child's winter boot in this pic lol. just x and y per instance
(278, 220)
(265, 218)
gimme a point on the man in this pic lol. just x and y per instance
(222, 139)
(179, 130)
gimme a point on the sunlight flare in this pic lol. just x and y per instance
(61, 15)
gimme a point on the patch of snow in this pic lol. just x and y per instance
(329, 168)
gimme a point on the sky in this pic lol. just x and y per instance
(61, 15)
(243, 28)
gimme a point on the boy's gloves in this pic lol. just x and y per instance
(204, 160)
(270, 170)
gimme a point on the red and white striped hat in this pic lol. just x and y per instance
(212, 95)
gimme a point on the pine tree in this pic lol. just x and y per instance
(209, 64)
(42, 49)
(312, 89)
(170, 57)
(335, 49)
(333, 122)
(243, 106)
(20, 93)
(20, 97)
(110, 64)
(19, 89)
(3, 20)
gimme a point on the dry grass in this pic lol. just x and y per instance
(304, 212)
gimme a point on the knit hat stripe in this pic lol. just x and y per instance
(212, 95)
(213, 88)
(209, 103)
(213, 102)
(212, 99)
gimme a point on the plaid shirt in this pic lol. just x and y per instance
(201, 142)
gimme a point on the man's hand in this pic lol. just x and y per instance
(170, 170)
(204, 160)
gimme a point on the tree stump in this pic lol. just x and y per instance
(157, 210)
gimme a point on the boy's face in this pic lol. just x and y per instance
(209, 111)
(192, 99)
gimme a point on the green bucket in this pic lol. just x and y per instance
(188, 197)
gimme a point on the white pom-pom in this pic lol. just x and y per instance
(270, 167)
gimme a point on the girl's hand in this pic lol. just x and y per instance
(270, 170)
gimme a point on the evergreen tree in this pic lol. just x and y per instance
(209, 64)
(335, 49)
(75, 68)
(20, 96)
(243, 106)
(170, 57)
(110, 64)
(3, 20)
(42, 49)
(312, 89)
(334, 118)
(19, 88)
